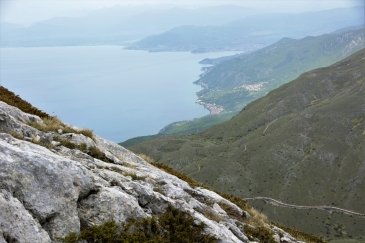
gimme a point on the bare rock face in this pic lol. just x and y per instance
(46, 192)
(16, 223)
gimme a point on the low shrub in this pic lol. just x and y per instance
(171, 226)
(17, 135)
(98, 154)
(87, 133)
(261, 233)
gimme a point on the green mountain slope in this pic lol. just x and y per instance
(303, 144)
(238, 81)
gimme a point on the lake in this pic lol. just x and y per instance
(118, 93)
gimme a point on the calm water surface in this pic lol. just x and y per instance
(116, 92)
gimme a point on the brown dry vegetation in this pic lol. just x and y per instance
(171, 226)
(14, 100)
(53, 124)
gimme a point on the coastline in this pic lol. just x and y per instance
(214, 109)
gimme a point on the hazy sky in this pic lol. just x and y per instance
(29, 11)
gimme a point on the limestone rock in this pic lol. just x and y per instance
(49, 192)
(17, 224)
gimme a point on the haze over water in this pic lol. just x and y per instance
(118, 93)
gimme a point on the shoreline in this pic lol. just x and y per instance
(212, 108)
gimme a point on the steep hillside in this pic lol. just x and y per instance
(251, 32)
(62, 184)
(234, 83)
(303, 144)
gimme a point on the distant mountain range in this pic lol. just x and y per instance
(252, 32)
(116, 25)
(303, 144)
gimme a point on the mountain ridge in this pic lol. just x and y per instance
(111, 26)
(251, 33)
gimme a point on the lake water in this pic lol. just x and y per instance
(118, 93)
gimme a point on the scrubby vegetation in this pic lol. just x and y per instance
(92, 151)
(97, 154)
(172, 226)
(53, 124)
(17, 135)
(261, 233)
(14, 100)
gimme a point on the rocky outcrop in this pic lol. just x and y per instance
(48, 190)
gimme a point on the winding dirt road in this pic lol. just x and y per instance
(325, 208)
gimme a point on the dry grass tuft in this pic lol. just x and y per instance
(92, 151)
(17, 135)
(53, 124)
(87, 133)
